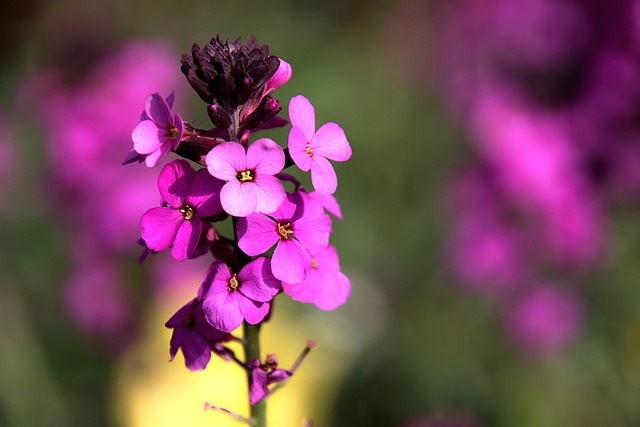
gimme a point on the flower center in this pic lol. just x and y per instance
(284, 230)
(309, 150)
(188, 212)
(314, 264)
(233, 283)
(244, 176)
(173, 132)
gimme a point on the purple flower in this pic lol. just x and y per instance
(189, 196)
(195, 337)
(296, 228)
(158, 131)
(263, 375)
(310, 149)
(325, 286)
(231, 298)
(544, 319)
(251, 186)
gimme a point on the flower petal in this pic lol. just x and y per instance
(334, 293)
(146, 137)
(323, 176)
(297, 149)
(159, 227)
(265, 157)
(239, 198)
(175, 182)
(204, 196)
(187, 239)
(257, 281)
(257, 233)
(302, 115)
(154, 158)
(253, 311)
(313, 231)
(158, 110)
(269, 193)
(290, 261)
(221, 308)
(258, 389)
(225, 160)
(330, 142)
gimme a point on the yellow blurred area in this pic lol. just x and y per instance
(150, 392)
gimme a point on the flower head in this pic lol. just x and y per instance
(231, 76)
(310, 149)
(251, 186)
(296, 228)
(189, 196)
(231, 298)
(158, 131)
(195, 337)
(263, 375)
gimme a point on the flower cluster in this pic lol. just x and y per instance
(233, 176)
(548, 94)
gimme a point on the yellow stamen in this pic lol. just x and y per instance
(173, 132)
(284, 231)
(309, 150)
(245, 176)
(188, 212)
(314, 264)
(233, 283)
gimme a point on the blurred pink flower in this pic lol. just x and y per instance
(544, 319)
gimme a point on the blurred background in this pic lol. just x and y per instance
(492, 213)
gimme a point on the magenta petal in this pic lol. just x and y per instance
(290, 261)
(328, 202)
(175, 182)
(158, 110)
(313, 232)
(302, 115)
(330, 142)
(154, 158)
(221, 308)
(287, 209)
(160, 226)
(269, 193)
(265, 157)
(258, 389)
(253, 311)
(334, 293)
(257, 282)
(323, 176)
(281, 76)
(195, 348)
(239, 198)
(257, 233)
(297, 149)
(146, 137)
(225, 160)
(204, 196)
(187, 239)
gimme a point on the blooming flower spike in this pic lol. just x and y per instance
(159, 131)
(189, 196)
(251, 186)
(310, 149)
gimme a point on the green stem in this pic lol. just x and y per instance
(252, 352)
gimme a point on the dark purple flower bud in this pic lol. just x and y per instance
(229, 73)
(218, 116)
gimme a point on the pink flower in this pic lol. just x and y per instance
(296, 228)
(325, 286)
(158, 131)
(189, 196)
(310, 149)
(228, 298)
(251, 186)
